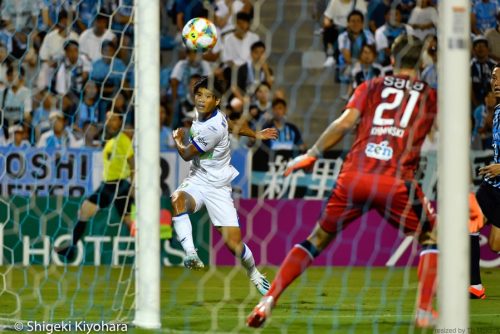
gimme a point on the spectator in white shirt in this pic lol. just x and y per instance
(335, 22)
(52, 49)
(182, 72)
(236, 45)
(17, 137)
(423, 20)
(73, 71)
(60, 136)
(225, 13)
(15, 99)
(92, 38)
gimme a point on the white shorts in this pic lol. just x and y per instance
(218, 201)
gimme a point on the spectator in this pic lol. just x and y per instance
(186, 106)
(166, 139)
(73, 71)
(493, 37)
(87, 13)
(236, 45)
(185, 10)
(407, 7)
(15, 99)
(351, 42)
(387, 33)
(262, 101)
(481, 67)
(289, 137)
(366, 68)
(20, 15)
(109, 72)
(334, 23)
(423, 20)
(377, 16)
(89, 120)
(17, 135)
(253, 72)
(122, 18)
(41, 115)
(60, 136)
(225, 13)
(91, 39)
(483, 16)
(483, 123)
(182, 73)
(4, 64)
(430, 72)
(49, 12)
(52, 49)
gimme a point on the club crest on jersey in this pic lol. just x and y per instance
(379, 151)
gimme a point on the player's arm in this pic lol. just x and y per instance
(187, 152)
(131, 165)
(331, 136)
(242, 129)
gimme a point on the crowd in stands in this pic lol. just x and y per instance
(65, 63)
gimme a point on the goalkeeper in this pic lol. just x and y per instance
(115, 189)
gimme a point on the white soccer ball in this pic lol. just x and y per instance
(199, 34)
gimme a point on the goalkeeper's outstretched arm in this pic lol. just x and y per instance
(335, 132)
(331, 136)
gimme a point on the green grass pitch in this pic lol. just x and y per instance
(324, 300)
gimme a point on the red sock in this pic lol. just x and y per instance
(427, 272)
(296, 262)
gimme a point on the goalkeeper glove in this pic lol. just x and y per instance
(304, 161)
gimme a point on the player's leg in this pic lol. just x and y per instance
(476, 222)
(87, 210)
(220, 208)
(233, 241)
(183, 204)
(488, 198)
(336, 216)
(406, 206)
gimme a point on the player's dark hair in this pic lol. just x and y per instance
(258, 44)
(11, 68)
(210, 83)
(277, 101)
(398, 8)
(406, 51)
(243, 16)
(70, 42)
(354, 13)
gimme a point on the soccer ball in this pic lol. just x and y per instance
(199, 34)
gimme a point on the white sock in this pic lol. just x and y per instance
(477, 286)
(184, 230)
(247, 260)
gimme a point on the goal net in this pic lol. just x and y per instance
(65, 64)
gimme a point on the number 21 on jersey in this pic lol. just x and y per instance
(398, 94)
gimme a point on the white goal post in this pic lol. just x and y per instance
(147, 141)
(453, 163)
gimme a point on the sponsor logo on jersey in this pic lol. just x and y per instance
(202, 140)
(379, 151)
(387, 130)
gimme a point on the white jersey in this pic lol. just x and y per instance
(211, 138)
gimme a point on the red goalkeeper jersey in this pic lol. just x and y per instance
(396, 115)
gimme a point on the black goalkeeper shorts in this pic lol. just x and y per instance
(113, 193)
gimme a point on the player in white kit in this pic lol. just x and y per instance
(209, 180)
